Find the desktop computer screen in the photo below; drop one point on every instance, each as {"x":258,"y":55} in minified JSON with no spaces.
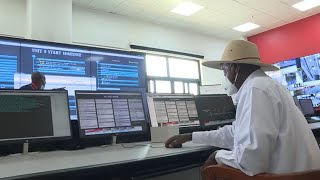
{"x":307,"y":107}
{"x":172,"y":109}
{"x":215,"y":109}
{"x":33,"y":115}
{"x":110,"y":112}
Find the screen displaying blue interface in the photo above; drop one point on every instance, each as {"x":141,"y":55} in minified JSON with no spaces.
{"x":63,"y":67}
{"x":301,"y":76}
{"x":69,"y":67}
{"x":9,"y":63}
{"x":117,"y":70}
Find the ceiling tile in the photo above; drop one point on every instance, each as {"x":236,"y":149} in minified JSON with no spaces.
{"x":160,"y":4}
{"x":312,"y":11}
{"x":290,"y":2}
{"x":144,"y":2}
{"x":225,"y":21}
{"x":255,"y":31}
{"x":106,"y":5}
{"x":229,"y":8}
{"x":231,"y":35}
{"x":263,"y":19}
{"x":294,"y":17}
{"x":275,"y":24}
{"x":82,"y":2}
{"x":274,"y":8}
{"x":218,"y":17}
{"x":202,"y":17}
{"x":129,"y":8}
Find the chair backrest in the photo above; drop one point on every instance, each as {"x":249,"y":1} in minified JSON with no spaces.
{"x":219,"y":172}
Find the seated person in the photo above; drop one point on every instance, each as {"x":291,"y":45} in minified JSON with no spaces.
{"x":38,"y":82}
{"x":270,"y":134}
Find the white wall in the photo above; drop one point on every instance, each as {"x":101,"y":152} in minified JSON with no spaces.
{"x":49,"y":20}
{"x":93,"y":27}
{"x":13,"y":18}
{"x":105,"y":29}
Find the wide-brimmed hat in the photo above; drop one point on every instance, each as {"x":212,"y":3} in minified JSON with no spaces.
{"x":241,"y":52}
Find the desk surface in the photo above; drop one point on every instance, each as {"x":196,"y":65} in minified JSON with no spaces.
{"x":18,"y":166}
{"x":33,"y":164}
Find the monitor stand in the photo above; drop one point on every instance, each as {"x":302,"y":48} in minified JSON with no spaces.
{"x":25,"y":147}
{"x":114,"y":140}
{"x":25,"y":150}
{"x":112,"y":143}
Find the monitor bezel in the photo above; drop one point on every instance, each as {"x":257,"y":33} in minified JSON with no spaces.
{"x":39,"y":139}
{"x":144,"y":131}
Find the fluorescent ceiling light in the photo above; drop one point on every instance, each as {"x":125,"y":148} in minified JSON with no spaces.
{"x":246,"y":27}
{"x":306,"y":4}
{"x":187,"y":8}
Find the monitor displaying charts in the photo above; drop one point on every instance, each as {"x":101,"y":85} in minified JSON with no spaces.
{"x":172,"y":109}
{"x":110,"y":112}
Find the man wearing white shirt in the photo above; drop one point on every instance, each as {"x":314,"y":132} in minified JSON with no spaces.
{"x":270,"y":134}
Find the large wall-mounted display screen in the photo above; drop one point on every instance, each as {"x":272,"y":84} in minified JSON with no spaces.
{"x":301,"y":76}
{"x":70,"y":67}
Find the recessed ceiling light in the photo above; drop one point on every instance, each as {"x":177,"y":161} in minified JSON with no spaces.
{"x":187,"y":8}
{"x":246,"y":27}
{"x":306,"y":4}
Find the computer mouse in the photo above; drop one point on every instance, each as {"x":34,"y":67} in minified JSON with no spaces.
{"x":177,"y":146}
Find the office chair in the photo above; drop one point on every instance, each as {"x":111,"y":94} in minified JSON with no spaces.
{"x":221,"y":172}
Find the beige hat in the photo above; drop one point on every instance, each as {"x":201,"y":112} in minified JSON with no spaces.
{"x":242,"y":52}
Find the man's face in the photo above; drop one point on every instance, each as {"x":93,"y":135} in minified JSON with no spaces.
{"x":229,"y":70}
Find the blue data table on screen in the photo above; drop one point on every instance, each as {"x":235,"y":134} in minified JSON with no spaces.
{"x":7,"y":73}
{"x":9,"y":63}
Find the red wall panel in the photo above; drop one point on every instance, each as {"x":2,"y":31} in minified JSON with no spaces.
{"x":293,"y":40}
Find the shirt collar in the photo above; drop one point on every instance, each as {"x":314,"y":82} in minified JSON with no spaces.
{"x":256,"y":73}
{"x":34,"y":86}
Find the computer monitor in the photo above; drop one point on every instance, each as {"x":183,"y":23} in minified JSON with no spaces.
{"x":102,"y":113}
{"x":172,"y":109}
{"x":307,"y":107}
{"x":215,"y":109}
{"x":33,"y":116}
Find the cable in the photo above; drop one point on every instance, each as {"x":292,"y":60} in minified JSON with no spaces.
{"x":136,"y":145}
{"x":157,"y":146}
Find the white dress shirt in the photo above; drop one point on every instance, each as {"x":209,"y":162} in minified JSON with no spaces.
{"x":269,"y":135}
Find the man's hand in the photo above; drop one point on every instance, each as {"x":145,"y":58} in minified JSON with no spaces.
{"x":178,"y":140}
